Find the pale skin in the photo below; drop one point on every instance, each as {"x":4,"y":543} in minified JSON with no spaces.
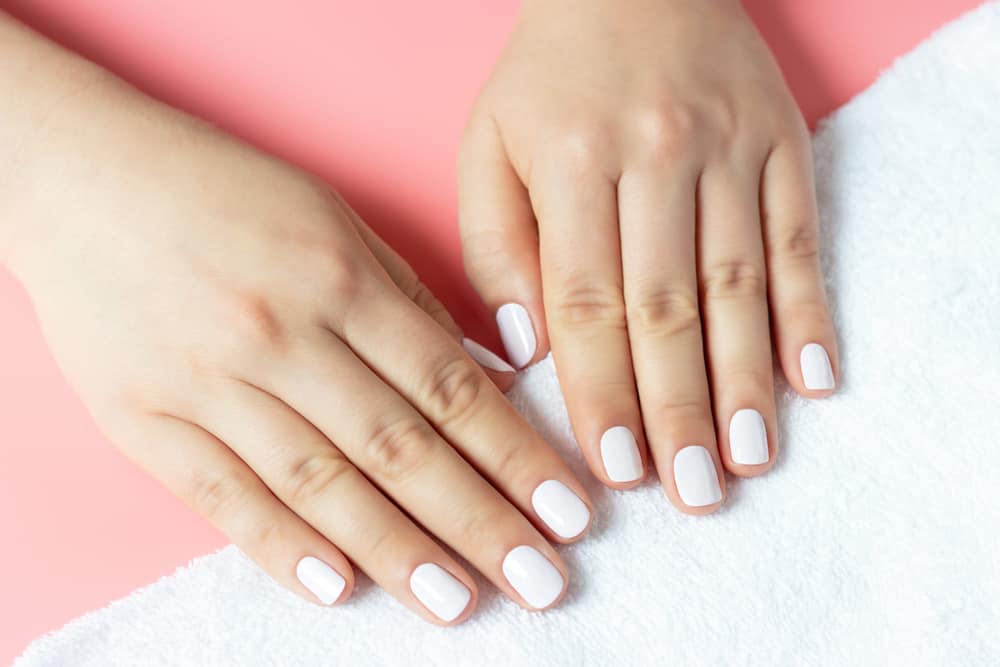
{"x":241,"y":334}
{"x":639,"y":178}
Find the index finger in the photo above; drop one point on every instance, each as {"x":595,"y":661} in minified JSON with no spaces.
{"x":434,"y":374}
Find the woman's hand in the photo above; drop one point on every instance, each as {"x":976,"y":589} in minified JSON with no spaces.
{"x":238,"y":332}
{"x":636,"y":190}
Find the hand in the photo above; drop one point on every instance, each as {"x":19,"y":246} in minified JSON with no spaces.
{"x":636,"y":190}
{"x":240,"y":333}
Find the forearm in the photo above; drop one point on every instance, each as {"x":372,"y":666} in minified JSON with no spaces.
{"x":39,"y":82}
{"x":36,"y":77}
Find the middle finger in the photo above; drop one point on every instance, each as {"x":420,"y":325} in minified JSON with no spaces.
{"x":657,"y":208}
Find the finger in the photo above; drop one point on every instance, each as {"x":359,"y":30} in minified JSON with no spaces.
{"x":802,"y":326}
{"x":500,"y":242}
{"x":395,"y":447}
{"x":210,"y":478}
{"x":434,"y":376}
{"x":657,"y":209}
{"x":406,"y":279}
{"x":315,"y":480}
{"x":734,"y":315}
{"x":582,"y":275}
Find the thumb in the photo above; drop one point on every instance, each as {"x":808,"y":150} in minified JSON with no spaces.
{"x":500,"y":242}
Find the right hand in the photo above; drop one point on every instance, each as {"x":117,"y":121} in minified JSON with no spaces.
{"x":238,"y":332}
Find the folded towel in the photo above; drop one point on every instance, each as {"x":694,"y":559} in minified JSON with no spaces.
{"x":875,"y":539}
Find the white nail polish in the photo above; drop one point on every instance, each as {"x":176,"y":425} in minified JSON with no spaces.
{"x":620,"y":454}
{"x":696,"y":477}
{"x":817,"y":373}
{"x":322,"y":580}
{"x":517,"y":333}
{"x":444,"y":595}
{"x":560,"y":509}
{"x":532,"y":576}
{"x":486,"y":358}
{"x":748,"y":438}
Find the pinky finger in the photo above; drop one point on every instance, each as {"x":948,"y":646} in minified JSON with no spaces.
{"x":802,"y":327}
{"x":212,"y":480}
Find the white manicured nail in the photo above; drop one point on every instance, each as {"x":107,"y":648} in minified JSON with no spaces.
{"x":517,"y":333}
{"x":532,"y":576}
{"x":485,"y":357}
{"x":322,"y":580}
{"x":748,"y":438}
{"x":560,"y":509}
{"x":696,"y":478}
{"x":620,"y":454}
{"x":816,"y":370}
{"x":443,"y":594}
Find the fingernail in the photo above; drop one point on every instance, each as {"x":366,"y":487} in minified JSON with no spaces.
{"x":817,"y":373}
{"x":322,"y":580}
{"x":696,"y":478}
{"x":444,"y":595}
{"x":532,"y":576}
{"x":620,"y":454}
{"x":560,"y":509}
{"x":748,"y":438}
{"x":517,"y":334}
{"x":485,"y":357}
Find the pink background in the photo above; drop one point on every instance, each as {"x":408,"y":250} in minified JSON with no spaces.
{"x":370,"y":94}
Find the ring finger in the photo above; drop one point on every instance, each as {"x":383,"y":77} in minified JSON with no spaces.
{"x":734,"y":314}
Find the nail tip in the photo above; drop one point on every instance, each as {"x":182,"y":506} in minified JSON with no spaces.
{"x":320,"y":579}
{"x":560,"y":509}
{"x":517,"y":334}
{"x":816,"y":368}
{"x":485,"y":357}
{"x":620,"y":455}
{"x":439,"y":591}
{"x":535,"y":578}
{"x":748,"y":438}
{"x":696,"y":477}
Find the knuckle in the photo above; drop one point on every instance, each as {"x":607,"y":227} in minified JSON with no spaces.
{"x":453,"y":390}
{"x":421,"y":295}
{"x":734,"y":280}
{"x":341,"y":280}
{"x":664,"y":311}
{"x":488,"y":255}
{"x":799,"y":242}
{"x":514,"y":465}
{"x":726,"y":119}
{"x":396,"y":450}
{"x":583,"y":146}
{"x":586,"y":304}
{"x":256,"y":321}
{"x":262,"y":535}
{"x":484,"y":246}
{"x":667,"y":131}
{"x":333,"y":263}
{"x":314,"y":476}
{"x":216,"y":496}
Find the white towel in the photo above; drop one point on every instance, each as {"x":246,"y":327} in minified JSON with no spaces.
{"x":875,"y":539}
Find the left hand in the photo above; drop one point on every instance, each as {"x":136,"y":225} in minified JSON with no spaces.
{"x":636,"y":188}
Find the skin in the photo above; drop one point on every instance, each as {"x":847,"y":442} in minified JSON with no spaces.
{"x":224,"y":315}
{"x":638,"y":176}
{"x":237,"y":331}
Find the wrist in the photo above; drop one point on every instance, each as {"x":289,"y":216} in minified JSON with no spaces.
{"x":39,"y":81}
